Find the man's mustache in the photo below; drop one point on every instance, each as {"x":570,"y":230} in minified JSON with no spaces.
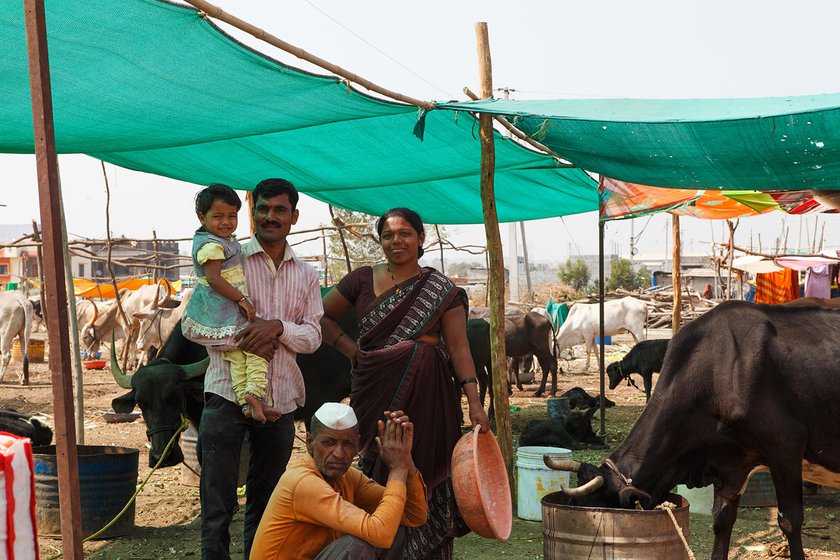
{"x":267,"y":223}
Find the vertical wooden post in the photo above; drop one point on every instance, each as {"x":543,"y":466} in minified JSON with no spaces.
{"x":157,"y":263}
{"x":676,"y":277}
{"x":56,"y":294}
{"x":326,"y":262}
{"x":440,"y":245}
{"x":495,"y":273}
{"x":36,"y":236}
{"x":730,"y":257}
{"x":249,"y":202}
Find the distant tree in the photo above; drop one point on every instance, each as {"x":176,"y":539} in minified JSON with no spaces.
{"x":575,"y":274}
{"x":459,"y":269}
{"x":623,"y":276}
{"x":362,"y":244}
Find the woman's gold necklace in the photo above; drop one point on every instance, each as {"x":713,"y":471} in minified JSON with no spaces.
{"x":397,"y":290}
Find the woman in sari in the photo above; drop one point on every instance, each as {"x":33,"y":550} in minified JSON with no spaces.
{"x":412,"y":324}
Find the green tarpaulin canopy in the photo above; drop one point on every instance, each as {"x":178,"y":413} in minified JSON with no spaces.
{"x":742,"y":144}
{"x":156,"y":87}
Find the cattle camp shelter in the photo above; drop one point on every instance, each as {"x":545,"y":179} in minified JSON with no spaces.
{"x":109,"y":79}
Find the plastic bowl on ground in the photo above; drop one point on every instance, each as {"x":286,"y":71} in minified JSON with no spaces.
{"x":480,"y":483}
{"x":94,"y":364}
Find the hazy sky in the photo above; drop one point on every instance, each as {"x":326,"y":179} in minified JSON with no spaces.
{"x":550,"y":49}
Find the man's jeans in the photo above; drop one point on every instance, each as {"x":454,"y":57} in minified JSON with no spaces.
{"x":220,"y":436}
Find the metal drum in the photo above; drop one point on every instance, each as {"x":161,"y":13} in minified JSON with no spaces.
{"x":584,"y":533}
{"x":107,"y":480}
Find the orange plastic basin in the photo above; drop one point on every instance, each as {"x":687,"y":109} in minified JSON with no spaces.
{"x":481,"y":487}
{"x":94,"y":364}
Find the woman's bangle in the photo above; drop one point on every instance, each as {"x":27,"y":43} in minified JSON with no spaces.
{"x":469,"y":380}
{"x":338,"y":338}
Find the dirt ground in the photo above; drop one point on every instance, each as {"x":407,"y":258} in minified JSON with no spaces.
{"x":167,"y":511}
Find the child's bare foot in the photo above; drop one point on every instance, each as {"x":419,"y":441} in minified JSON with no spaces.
{"x":247,"y":410}
{"x":271,"y":413}
{"x":256,"y":408}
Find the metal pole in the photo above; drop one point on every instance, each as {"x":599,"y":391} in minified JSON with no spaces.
{"x":601,"y":296}
{"x":527,"y":263}
{"x":49,"y":187}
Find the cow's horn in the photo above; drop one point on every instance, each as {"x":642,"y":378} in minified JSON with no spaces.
{"x":122,"y":379}
{"x":196,"y":369}
{"x":552,"y":463}
{"x":587,"y":488}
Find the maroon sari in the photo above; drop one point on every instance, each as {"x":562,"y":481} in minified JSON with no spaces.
{"x":395,"y":372}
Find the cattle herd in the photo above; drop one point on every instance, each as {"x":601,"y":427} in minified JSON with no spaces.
{"x":744,"y":387}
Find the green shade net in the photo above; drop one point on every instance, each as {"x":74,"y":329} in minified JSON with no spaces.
{"x":155,"y":87}
{"x":731,"y":144}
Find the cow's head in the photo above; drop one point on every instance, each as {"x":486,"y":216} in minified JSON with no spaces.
{"x":160,"y":389}
{"x":615,"y":374}
{"x":600,"y":486}
{"x":89,"y":341}
{"x":579,"y":426}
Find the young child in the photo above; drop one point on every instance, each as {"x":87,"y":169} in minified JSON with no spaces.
{"x":219,"y":307}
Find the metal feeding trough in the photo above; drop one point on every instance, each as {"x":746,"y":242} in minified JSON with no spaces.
{"x":107,"y":480}
{"x":587,"y":533}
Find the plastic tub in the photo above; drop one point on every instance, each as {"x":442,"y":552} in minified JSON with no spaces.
{"x":535,"y":480}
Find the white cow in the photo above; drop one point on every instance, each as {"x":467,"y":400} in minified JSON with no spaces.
{"x":157,"y":323}
{"x":583,"y":323}
{"x":15,"y":320}
{"x":101,"y":326}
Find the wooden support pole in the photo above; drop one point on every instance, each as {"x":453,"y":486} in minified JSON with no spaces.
{"x":530,"y":294}
{"x":49,"y":187}
{"x":36,"y":236}
{"x":730,"y":257}
{"x":676,"y":277}
{"x":440,"y":243}
{"x":495,"y":273}
{"x":341,"y":237}
{"x":157,"y":263}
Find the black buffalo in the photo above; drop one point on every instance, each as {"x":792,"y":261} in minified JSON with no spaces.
{"x":173,"y":384}
{"x":571,"y":431}
{"x":742,"y":386}
{"x":24,"y":425}
{"x":645,"y":358}
{"x":580,"y":399}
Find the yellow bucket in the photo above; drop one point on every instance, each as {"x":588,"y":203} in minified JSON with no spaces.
{"x":35,"y":351}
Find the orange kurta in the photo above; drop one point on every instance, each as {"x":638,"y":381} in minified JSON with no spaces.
{"x":306,"y":512}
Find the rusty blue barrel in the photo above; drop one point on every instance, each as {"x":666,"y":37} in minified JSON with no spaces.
{"x":107,"y":480}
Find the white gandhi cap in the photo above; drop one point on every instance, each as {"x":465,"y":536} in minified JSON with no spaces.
{"x":336,"y":416}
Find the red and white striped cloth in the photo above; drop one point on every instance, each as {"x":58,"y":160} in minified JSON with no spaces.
{"x":18,"y":533}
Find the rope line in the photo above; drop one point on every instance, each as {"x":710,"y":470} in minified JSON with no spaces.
{"x":669,"y":509}
{"x":185,"y":423}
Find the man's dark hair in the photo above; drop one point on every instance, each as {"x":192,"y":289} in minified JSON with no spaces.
{"x":408,"y":215}
{"x":268,"y":188}
{"x":213,"y":192}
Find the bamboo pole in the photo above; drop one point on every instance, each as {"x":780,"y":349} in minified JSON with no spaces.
{"x":216,"y":12}
{"x":731,"y":255}
{"x":49,"y":186}
{"x":528,"y":284}
{"x":676,"y":277}
{"x":521,"y":135}
{"x":495,"y":274}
